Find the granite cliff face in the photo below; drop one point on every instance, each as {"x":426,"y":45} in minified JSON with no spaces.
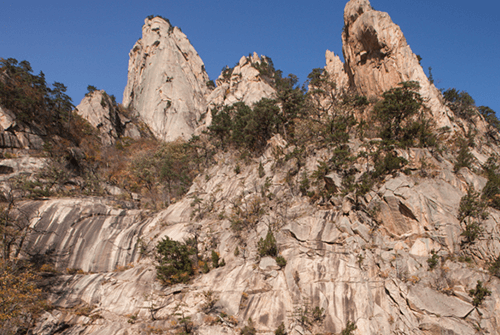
{"x":362,"y":257}
{"x":355,"y":266}
{"x":98,"y":109}
{"x":378,"y":57}
{"x":167,"y":81}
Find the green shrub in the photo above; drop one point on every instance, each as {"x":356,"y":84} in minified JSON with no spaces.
{"x":472,"y":231}
{"x":210,"y":84}
{"x":166,"y":171}
{"x":479,"y":294}
{"x":349,"y":329}
{"x":304,"y":183}
{"x":281,"y":261}
{"x":490,"y":116}
{"x":396,"y":112}
{"x":215,"y":259}
{"x":174,"y":261}
{"x":491,"y":191}
{"x":249,"y":329}
{"x":471,"y":211}
{"x":318,"y":314}
{"x":267,"y":246}
{"x":280,"y":330}
{"x":495,"y":267}
{"x":33,"y":101}
{"x":227,"y":72}
{"x":464,"y":157}
{"x":90,"y":90}
{"x":243,"y":127}
{"x":387,"y":165}
{"x":433,"y":260}
{"x":472,"y":206}
{"x":261,"y":171}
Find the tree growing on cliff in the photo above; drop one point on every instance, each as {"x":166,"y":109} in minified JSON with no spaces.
{"x":30,"y":98}
{"x":174,"y":261}
{"x":401,"y":118}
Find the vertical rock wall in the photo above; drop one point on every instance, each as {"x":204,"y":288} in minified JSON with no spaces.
{"x":166,"y":81}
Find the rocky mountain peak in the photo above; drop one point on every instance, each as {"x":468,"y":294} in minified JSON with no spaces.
{"x":248,"y":81}
{"x":378,"y":57}
{"x":167,"y":81}
{"x":355,"y":8}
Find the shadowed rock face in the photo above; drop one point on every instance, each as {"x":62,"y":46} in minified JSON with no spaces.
{"x":166,"y":81}
{"x":85,"y":234}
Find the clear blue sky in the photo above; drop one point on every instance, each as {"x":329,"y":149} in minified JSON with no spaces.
{"x":87,"y":42}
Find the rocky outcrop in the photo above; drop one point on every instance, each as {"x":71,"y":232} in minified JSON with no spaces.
{"x":378,"y":57}
{"x":84,"y":234}
{"x":247,"y":82}
{"x":18,"y":136}
{"x":362,"y":257}
{"x":167,"y":82}
{"x":243,"y":83}
{"x":101,"y":112}
{"x":336,"y":72}
{"x":366,"y":263}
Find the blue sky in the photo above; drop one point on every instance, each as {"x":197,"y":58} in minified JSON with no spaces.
{"x":87,"y":42}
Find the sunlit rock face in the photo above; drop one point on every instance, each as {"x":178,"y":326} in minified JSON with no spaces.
{"x":378,"y":57}
{"x":167,"y":81}
{"x":98,"y":109}
{"x":243,"y":83}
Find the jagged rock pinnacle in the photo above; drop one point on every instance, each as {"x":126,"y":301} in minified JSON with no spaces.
{"x":167,"y":81}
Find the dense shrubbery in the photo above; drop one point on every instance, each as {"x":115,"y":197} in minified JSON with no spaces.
{"x":164,"y":171}
{"x":472,"y":210}
{"x":478,"y":294}
{"x":491,"y":191}
{"x":267,"y":246}
{"x":490,"y":116}
{"x":174,"y":261}
{"x":495,"y":267}
{"x":401,"y":119}
{"x":243,"y":127}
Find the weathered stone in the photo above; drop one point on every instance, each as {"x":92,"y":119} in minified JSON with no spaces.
{"x":167,"y":81}
{"x":98,"y":109}
{"x":7,"y":119}
{"x":425,"y":299}
{"x":378,"y":58}
{"x":268,"y":264}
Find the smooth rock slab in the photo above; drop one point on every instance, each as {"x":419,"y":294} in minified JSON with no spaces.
{"x":425,"y":299}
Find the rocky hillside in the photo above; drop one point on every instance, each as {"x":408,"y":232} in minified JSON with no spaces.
{"x":368,"y":205}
